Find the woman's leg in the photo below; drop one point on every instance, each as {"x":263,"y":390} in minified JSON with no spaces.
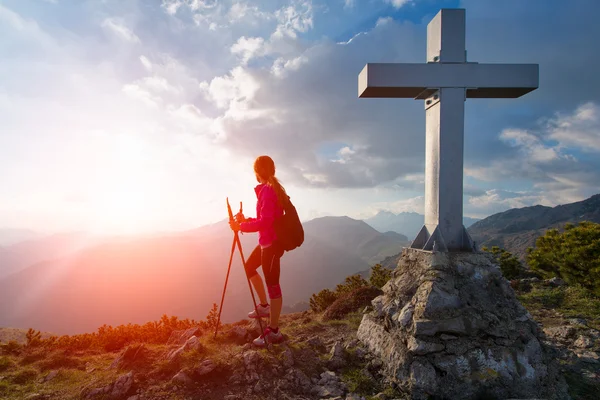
{"x":260,"y":288}
{"x":252,"y":264}
{"x":271,"y":268}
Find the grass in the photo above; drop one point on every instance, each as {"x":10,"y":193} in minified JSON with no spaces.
{"x":570,"y":301}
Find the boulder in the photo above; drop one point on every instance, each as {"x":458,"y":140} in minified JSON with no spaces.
{"x":448,"y":325}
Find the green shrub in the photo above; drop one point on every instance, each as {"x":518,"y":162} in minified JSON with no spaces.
{"x":351,"y":302}
{"x":379,"y":275}
{"x":510,"y":265}
{"x":25,"y":376}
{"x":11,"y":348}
{"x":350,"y":284}
{"x":573,"y":255}
{"x":5,"y":363}
{"x":320,"y":301}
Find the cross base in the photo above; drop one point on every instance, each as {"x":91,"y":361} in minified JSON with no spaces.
{"x":430,"y":238}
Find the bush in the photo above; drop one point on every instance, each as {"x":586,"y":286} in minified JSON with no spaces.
{"x":351,"y":302}
{"x":5,"y":363}
{"x":379,"y":275}
{"x":320,"y":301}
{"x":573,"y":255}
{"x":350,"y":284}
{"x":510,"y":265}
{"x":11,"y":348}
{"x":24,"y":376}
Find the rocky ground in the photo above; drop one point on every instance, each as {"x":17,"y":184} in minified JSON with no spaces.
{"x":320,"y":359}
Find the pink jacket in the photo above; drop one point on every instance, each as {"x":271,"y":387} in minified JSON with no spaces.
{"x":267,"y":209}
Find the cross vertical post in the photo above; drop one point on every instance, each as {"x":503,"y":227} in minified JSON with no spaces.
{"x":444,"y":142}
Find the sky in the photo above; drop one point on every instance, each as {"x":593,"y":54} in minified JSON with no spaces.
{"x":145,"y":115}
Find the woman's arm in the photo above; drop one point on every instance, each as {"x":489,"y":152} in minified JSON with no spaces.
{"x":267,"y":202}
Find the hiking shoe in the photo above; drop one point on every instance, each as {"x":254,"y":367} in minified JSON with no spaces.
{"x":262,"y":311}
{"x":268,"y":337}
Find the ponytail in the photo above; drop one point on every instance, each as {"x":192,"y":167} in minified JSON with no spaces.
{"x":279,"y":190}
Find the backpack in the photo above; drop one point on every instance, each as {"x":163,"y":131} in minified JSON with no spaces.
{"x":288,"y":228}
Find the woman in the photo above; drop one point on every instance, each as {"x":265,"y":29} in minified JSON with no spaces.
{"x":271,"y":196}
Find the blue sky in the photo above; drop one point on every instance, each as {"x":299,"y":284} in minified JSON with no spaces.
{"x":136,"y":116}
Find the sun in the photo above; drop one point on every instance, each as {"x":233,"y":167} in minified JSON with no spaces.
{"x":125,"y":195}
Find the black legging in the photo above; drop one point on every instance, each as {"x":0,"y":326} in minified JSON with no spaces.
{"x":269,"y":258}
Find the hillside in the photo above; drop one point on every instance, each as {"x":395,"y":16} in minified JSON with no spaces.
{"x":517,"y":229}
{"x":15,"y":257}
{"x":406,"y":223}
{"x":356,"y":237}
{"x":136,"y":280}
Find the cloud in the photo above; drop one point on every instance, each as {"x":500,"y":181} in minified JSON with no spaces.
{"x":398,"y":3}
{"x":293,"y":19}
{"x":248,"y":48}
{"x":578,"y":130}
{"x":119,"y":29}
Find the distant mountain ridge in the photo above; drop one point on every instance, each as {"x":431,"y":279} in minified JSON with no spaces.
{"x":140,"y":279}
{"x":406,"y":223}
{"x":517,"y":229}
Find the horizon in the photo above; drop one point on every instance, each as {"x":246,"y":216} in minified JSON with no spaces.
{"x":139,"y":119}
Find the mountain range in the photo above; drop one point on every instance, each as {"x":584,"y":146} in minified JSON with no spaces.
{"x":517,"y":229}
{"x":405,"y":223}
{"x":134,"y":280}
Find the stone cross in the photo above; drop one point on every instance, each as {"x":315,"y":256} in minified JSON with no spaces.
{"x":444,"y":82}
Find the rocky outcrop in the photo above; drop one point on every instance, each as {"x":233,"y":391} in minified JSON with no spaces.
{"x":449,"y":325}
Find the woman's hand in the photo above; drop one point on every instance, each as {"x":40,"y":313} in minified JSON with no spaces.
{"x":239,"y":218}
{"x":234,"y":225}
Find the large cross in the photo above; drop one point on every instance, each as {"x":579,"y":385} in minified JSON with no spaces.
{"x":444,"y":82}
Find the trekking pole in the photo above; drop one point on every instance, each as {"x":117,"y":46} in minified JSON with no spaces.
{"x":225,"y":287}
{"x":239,"y":243}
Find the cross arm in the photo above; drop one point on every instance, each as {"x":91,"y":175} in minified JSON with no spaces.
{"x":480,"y":80}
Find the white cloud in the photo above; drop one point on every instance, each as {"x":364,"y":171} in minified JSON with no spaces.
{"x":118,"y":28}
{"x":580,"y":130}
{"x":146,"y":63}
{"x":248,"y":48}
{"x":281,"y":65}
{"x":294,"y":19}
{"x":232,"y":90}
{"x":398,"y":3}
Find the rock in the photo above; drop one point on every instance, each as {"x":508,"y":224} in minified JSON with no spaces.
{"x":316,"y":343}
{"x":448,"y":325}
{"x":51,"y":375}
{"x":182,"y":336}
{"x":135,"y":353}
{"x":589,"y":356}
{"x":116,"y":390}
{"x":134,"y":397}
{"x":423,"y":377}
{"x":182,"y":378}
{"x":405,"y":316}
{"x":193,"y":343}
{"x":583,"y":342}
{"x":122,"y":385}
{"x":420,"y":347}
{"x":560,"y":333}
{"x":205,"y":367}
{"x":354,"y":396}
{"x":337,"y":356}
{"x":288,"y":358}
{"x":554,"y":282}
{"x":578,"y":322}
